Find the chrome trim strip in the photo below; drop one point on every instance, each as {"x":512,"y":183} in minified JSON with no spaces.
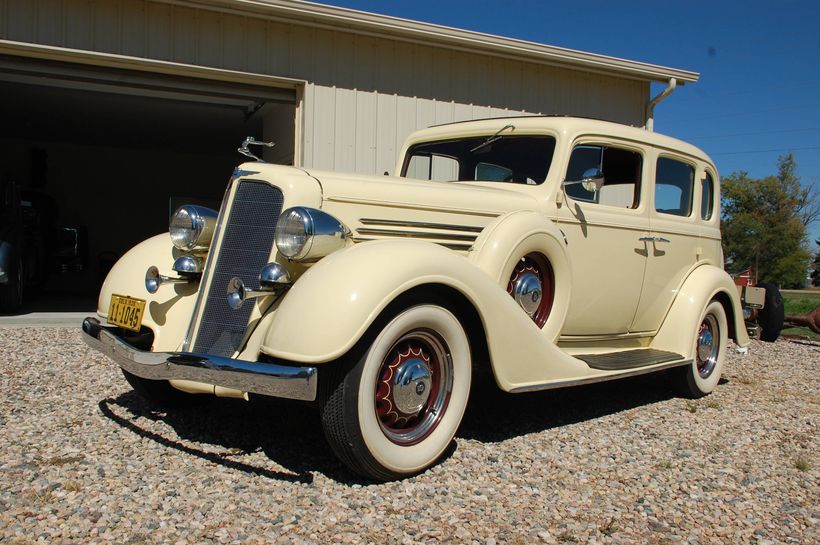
{"x":451,"y":245}
{"x":600,"y":378}
{"x":415,"y":234}
{"x":267,"y":379}
{"x":421,"y":225}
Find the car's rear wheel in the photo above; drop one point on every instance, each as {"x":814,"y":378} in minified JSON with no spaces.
{"x":394,"y":411}
{"x":711,"y":343}
{"x":532,"y":285}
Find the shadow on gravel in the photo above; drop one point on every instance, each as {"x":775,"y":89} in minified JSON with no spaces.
{"x":493,"y":415}
{"x":290,"y":433}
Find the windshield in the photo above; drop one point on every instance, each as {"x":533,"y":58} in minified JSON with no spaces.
{"x":511,"y":159}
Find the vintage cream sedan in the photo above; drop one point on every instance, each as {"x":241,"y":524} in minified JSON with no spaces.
{"x":553,"y":251}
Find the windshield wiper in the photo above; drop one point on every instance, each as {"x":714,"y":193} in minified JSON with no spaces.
{"x":492,"y":138}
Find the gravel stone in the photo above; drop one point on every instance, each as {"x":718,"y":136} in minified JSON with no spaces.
{"x":85,"y":460}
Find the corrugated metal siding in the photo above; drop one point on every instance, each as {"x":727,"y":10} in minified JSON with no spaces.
{"x":364,"y":94}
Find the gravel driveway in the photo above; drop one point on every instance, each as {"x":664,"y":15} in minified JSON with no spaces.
{"x":84,"y":460}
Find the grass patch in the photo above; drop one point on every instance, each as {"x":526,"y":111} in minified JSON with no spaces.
{"x":746,"y":379}
{"x":800,"y":301}
{"x":802,"y":463}
{"x":72,"y":486}
{"x":797,"y":302}
{"x":609,"y":528}
{"x":691,"y":406}
{"x":60,"y":461}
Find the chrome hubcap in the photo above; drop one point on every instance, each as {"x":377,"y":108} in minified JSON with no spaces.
{"x":414,"y":385}
{"x":531,"y":286}
{"x":708,"y":346}
{"x":411,"y":385}
{"x":527,"y":292}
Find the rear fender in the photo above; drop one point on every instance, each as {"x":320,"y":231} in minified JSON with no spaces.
{"x":679,"y":330}
{"x":334,"y":303}
{"x":516,"y":234}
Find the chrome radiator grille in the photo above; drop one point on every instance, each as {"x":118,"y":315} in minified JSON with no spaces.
{"x":245,"y":247}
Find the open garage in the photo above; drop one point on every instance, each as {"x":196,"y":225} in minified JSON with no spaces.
{"x":103,"y":156}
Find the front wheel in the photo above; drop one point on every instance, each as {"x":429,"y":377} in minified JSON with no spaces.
{"x":711,"y":343}
{"x":394,"y":412}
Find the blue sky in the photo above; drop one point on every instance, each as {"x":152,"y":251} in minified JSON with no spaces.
{"x":759,"y":91}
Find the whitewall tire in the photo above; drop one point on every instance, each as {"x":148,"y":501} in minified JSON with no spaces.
{"x":711,"y":343}
{"x":394,"y":411}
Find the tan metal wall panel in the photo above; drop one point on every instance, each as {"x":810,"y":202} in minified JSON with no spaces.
{"x":364,"y":94}
{"x":160,"y":31}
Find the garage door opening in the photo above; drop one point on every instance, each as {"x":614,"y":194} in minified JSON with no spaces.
{"x":102,"y":161}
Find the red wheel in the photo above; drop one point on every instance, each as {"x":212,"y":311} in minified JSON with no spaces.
{"x":532,"y":285}
{"x":414,"y":387}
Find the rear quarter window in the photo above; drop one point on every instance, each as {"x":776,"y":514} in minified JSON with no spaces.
{"x":674,"y":185}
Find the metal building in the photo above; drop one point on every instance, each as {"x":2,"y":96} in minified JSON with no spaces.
{"x":119,"y":110}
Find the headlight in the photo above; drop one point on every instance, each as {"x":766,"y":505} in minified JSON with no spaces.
{"x":307,"y":234}
{"x":192,"y":227}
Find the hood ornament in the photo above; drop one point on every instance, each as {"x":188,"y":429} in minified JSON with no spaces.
{"x":251,"y":141}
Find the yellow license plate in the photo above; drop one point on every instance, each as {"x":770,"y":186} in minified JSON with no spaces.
{"x":126,"y":312}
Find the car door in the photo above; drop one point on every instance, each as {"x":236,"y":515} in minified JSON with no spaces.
{"x":603,"y":231}
{"x":672,"y":245}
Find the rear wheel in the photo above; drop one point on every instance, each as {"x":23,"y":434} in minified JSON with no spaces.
{"x":394,"y":412}
{"x":711,"y":342}
{"x":532,"y":285}
{"x":771,"y":317}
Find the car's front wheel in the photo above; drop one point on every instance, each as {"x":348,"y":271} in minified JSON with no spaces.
{"x":395,"y":410}
{"x":711,"y":343}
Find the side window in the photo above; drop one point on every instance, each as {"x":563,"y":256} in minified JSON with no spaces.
{"x":622,"y":175}
{"x":674,"y":184}
{"x":707,"y":197}
{"x":438,"y":168}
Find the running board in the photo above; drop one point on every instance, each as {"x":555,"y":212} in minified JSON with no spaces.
{"x":629,"y":359}
{"x":601,"y":378}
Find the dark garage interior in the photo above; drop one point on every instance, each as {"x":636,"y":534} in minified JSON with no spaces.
{"x":100,"y":170}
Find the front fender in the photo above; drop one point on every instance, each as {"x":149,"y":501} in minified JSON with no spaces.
{"x":331,"y":306}
{"x":679,"y":330}
{"x":168,"y":311}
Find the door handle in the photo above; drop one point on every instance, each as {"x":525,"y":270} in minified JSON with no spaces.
{"x":654,"y":239}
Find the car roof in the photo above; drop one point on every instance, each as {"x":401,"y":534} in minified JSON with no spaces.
{"x":567,"y":126}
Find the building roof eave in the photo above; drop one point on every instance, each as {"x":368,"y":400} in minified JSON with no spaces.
{"x":344,"y":19}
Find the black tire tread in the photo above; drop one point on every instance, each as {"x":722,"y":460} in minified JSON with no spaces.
{"x":772,"y":315}
{"x":337,"y":386}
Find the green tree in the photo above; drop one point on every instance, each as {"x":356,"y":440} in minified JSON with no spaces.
{"x":764,"y":223}
{"x":815,"y":266}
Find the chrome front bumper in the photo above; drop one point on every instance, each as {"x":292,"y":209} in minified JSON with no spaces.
{"x":248,"y":376}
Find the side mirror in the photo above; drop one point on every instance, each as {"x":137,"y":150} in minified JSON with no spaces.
{"x":592,"y":180}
